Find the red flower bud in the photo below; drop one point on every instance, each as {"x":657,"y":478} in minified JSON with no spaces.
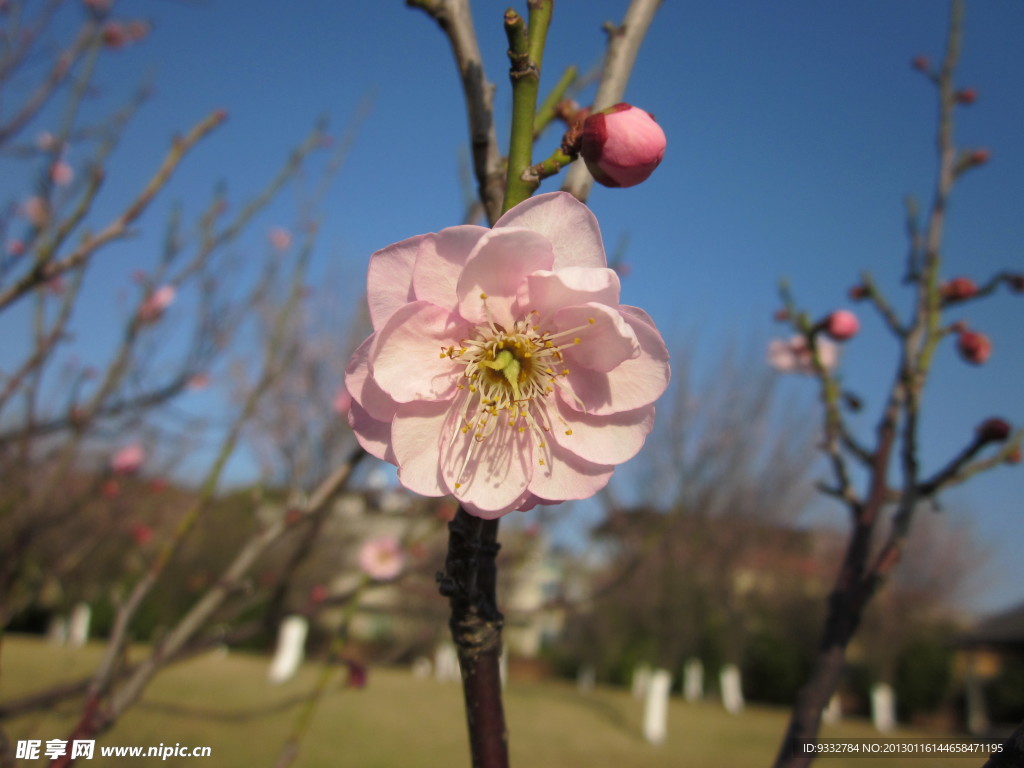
{"x":920,"y":63}
{"x":1014,"y":457}
{"x":993,"y":431}
{"x":841,"y":325}
{"x":966,"y":96}
{"x":858,"y":292}
{"x":978,"y":157}
{"x":974,"y":347}
{"x":622,"y":145}
{"x":957,"y":289}
{"x":1016,"y":283}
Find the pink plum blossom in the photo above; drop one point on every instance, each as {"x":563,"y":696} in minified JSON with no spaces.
{"x":382,"y":558}
{"x":153,"y":307}
{"x":36,"y":210}
{"x":794,"y":356}
{"x":280,"y":238}
{"x":622,"y":145}
{"x":128,"y":459}
{"x":502,"y":369}
{"x":62,"y":173}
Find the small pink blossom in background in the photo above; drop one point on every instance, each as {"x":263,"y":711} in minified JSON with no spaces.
{"x":318,"y":593}
{"x":502,"y":369}
{"x":97,"y":5}
{"x":974,"y":347}
{"x":342,"y":401}
{"x":15,"y":247}
{"x":128,"y":459}
{"x":280,"y":238}
{"x":794,"y":356}
{"x":357,"y":674}
{"x":622,"y":145}
{"x":382,"y":558}
{"x":110,"y":489}
{"x":61,"y":173}
{"x":841,"y":325}
{"x":142,"y":534}
{"x":118,"y":34}
{"x":198,"y":382}
{"x":36,"y":210}
{"x":55,"y":285}
{"x":45,"y":141}
{"x":153,"y":307}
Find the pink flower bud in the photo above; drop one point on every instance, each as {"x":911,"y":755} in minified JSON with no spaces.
{"x":128,"y":459}
{"x":142,"y":534}
{"x":841,"y":325}
{"x":993,"y":431}
{"x":153,"y":307}
{"x":974,"y":347}
{"x":61,"y":173}
{"x":280,"y":238}
{"x":622,"y":145}
{"x":957,"y":289}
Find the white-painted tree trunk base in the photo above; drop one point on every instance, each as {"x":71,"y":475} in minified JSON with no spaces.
{"x":656,"y":706}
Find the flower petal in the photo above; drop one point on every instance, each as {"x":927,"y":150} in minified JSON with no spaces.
{"x":546,"y":291}
{"x":496,"y":268}
{"x":439,"y":263}
{"x":567,"y":476}
{"x":488,"y":476}
{"x":415,"y":436}
{"x":605,"y":338}
{"x":389,"y":279}
{"x":635,"y":383}
{"x":566,"y":222}
{"x":373,"y":435}
{"x":610,"y":439}
{"x":407,"y":361}
{"x":363,"y":389}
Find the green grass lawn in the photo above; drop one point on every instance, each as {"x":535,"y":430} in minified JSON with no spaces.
{"x":400,"y":722}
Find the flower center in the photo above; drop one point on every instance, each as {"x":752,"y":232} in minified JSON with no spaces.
{"x":509,"y":373}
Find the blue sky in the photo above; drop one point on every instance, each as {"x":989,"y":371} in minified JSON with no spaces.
{"x":795,"y":129}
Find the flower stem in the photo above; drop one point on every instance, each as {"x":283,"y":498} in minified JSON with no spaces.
{"x":469,"y":582}
{"x":526,"y":54}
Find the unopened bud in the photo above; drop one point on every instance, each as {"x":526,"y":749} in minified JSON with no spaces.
{"x":622,"y":145}
{"x":858,"y":292}
{"x":1014,"y":456}
{"x":781,"y":315}
{"x":957,"y":289}
{"x":966,"y":96}
{"x":841,"y":325}
{"x":977,"y":157}
{"x":993,"y":431}
{"x":1016,"y":283}
{"x":974,"y":347}
{"x":921,"y":63}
